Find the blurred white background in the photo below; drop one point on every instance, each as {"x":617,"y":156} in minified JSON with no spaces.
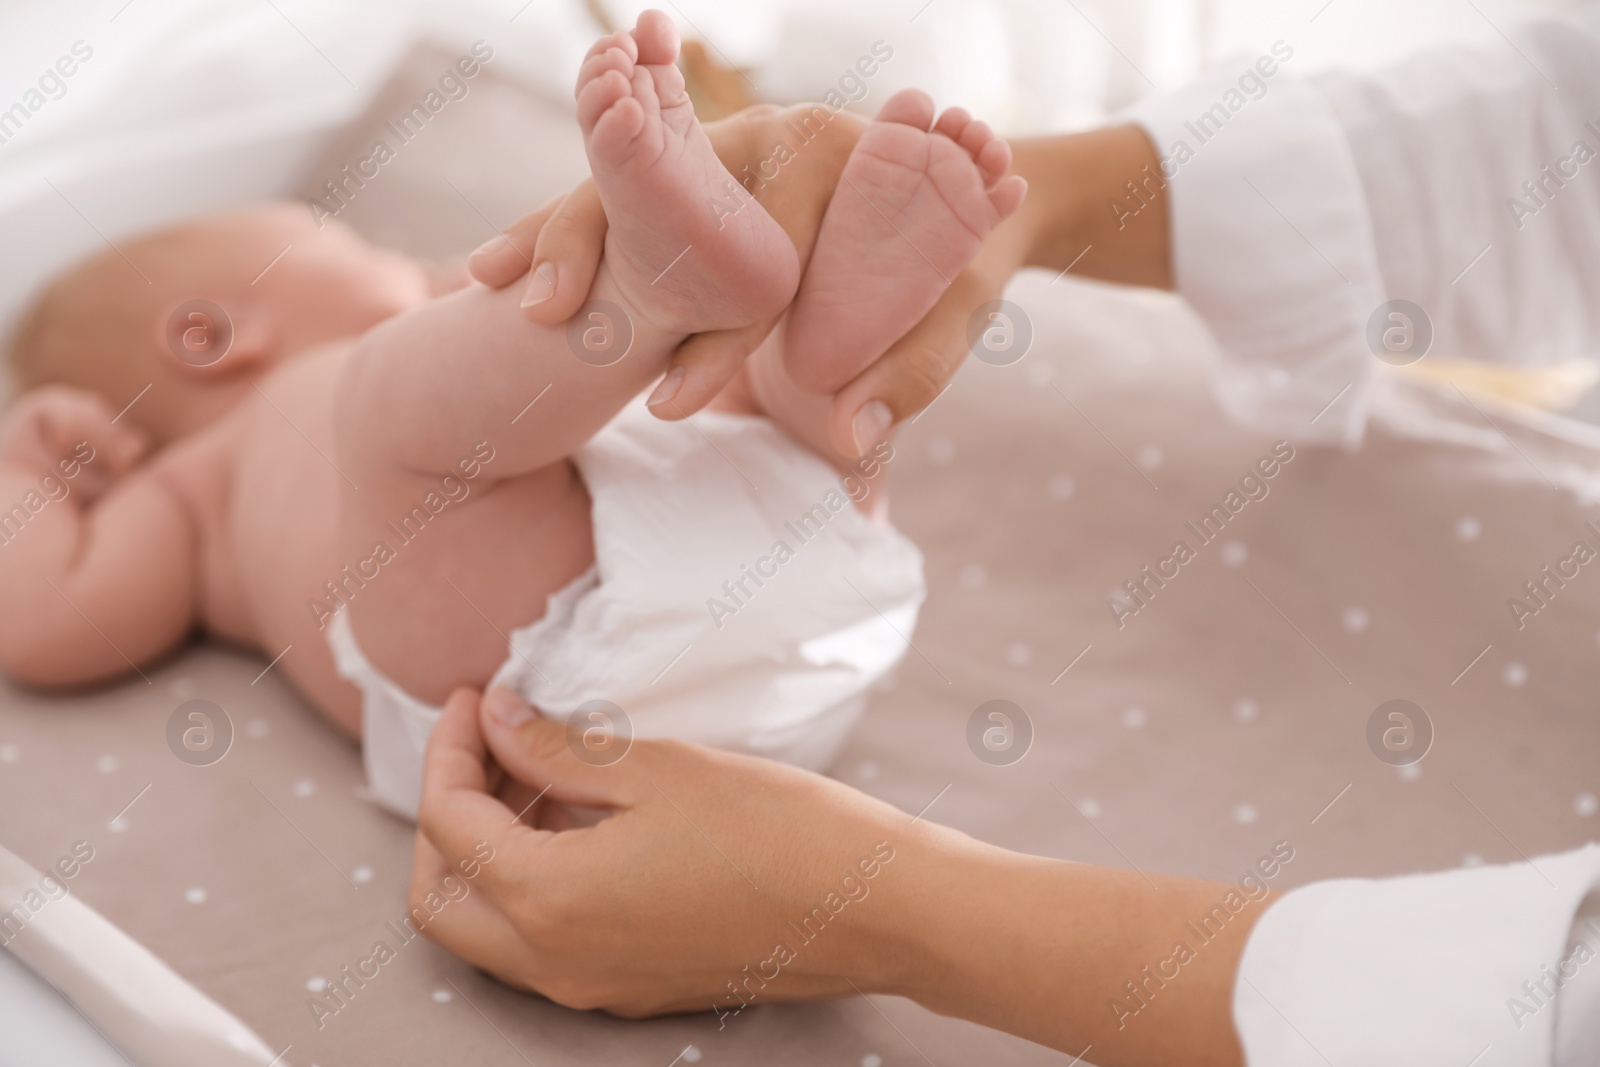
{"x":1032,"y":64}
{"x":190,"y":105}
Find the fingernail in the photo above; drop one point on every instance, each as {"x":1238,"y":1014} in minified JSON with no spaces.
{"x":668,"y":388}
{"x":507,"y":708}
{"x":871,"y":425}
{"x":542,"y":286}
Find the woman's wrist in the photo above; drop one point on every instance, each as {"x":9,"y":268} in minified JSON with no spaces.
{"x":1064,"y":954}
{"x":1097,"y":204}
{"x":932,"y":934}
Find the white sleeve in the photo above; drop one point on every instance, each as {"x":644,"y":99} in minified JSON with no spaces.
{"x":1300,"y":205}
{"x":1492,"y":966}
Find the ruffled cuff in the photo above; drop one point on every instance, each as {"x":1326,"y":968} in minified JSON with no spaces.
{"x":1458,"y":967}
{"x":1272,"y":245}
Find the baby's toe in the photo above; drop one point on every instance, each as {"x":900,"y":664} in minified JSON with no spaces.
{"x":644,"y":90}
{"x":909,"y":107}
{"x":599,"y":97}
{"x":975,"y":137}
{"x":1007,"y":195}
{"x":657,"y":38}
{"x":994,"y":159}
{"x":669,"y":85}
{"x":619,"y":40}
{"x":953,"y":123}
{"x":611,"y":142}
{"x":599,"y":63}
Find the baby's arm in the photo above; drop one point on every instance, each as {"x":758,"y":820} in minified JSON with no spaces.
{"x":96,"y":570}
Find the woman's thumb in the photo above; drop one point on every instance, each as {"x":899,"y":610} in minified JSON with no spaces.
{"x":563,"y":757}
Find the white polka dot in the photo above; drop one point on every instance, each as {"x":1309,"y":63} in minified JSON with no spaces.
{"x":183,"y":687}
{"x":1246,"y":710}
{"x":1245,"y":813}
{"x":1039,"y":372}
{"x":1089,"y":807}
{"x":1133,"y":717}
{"x":304,"y":788}
{"x":1150,"y":457}
{"x":691,"y":1055}
{"x":1019,"y":655}
{"x":119,"y":825}
{"x":361,"y":875}
{"x":317,"y":984}
{"x":1062,"y":486}
{"x":1515,"y":675}
{"x":973,"y":576}
{"x":443,"y":996}
{"x":195,"y":895}
{"x":872,"y":1059}
{"x":941,"y":450}
{"x":867,"y":771}
{"x":1472,"y":859}
{"x":1355,"y":620}
{"x":1468,"y":528}
{"x":1586,"y":804}
{"x":107,"y":764}
{"x":1234,"y":554}
{"x":1410,"y":772}
{"x":256,"y":729}
{"x":10,"y":753}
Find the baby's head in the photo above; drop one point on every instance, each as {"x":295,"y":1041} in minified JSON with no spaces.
{"x":121,"y":320}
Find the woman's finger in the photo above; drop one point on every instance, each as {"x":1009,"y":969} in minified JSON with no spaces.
{"x":566,"y":257}
{"x":503,"y":259}
{"x":580,"y":762}
{"x":446,"y":907}
{"x":702,"y":366}
{"x":458,"y":815}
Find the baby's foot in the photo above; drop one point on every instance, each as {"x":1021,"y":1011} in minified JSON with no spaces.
{"x":911,"y":210}
{"x":688,"y":245}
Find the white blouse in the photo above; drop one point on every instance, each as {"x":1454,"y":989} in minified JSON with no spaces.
{"x":1467,"y":182}
{"x":1462,"y":181}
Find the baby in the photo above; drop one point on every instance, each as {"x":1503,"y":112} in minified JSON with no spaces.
{"x":392,"y":493}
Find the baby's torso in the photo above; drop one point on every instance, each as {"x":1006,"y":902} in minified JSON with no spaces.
{"x":433,"y":578}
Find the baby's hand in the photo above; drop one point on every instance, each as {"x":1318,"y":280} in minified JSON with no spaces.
{"x":57,"y":429}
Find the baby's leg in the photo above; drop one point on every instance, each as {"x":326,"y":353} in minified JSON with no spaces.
{"x":911,"y":210}
{"x":466,"y":386}
{"x":687,"y":250}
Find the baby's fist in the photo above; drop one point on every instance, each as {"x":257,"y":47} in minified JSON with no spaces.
{"x":56,"y":429}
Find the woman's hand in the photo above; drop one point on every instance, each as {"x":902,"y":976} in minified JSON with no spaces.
{"x":721,"y":881}
{"x":558,"y":248}
{"x":680,"y":900}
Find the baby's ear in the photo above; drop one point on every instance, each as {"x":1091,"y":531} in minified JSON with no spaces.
{"x":209,"y":338}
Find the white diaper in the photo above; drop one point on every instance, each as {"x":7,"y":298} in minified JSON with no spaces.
{"x":738,"y":599}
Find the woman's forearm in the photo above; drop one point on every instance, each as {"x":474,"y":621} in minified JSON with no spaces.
{"x":1097,"y":203}
{"x":1071,"y":955}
